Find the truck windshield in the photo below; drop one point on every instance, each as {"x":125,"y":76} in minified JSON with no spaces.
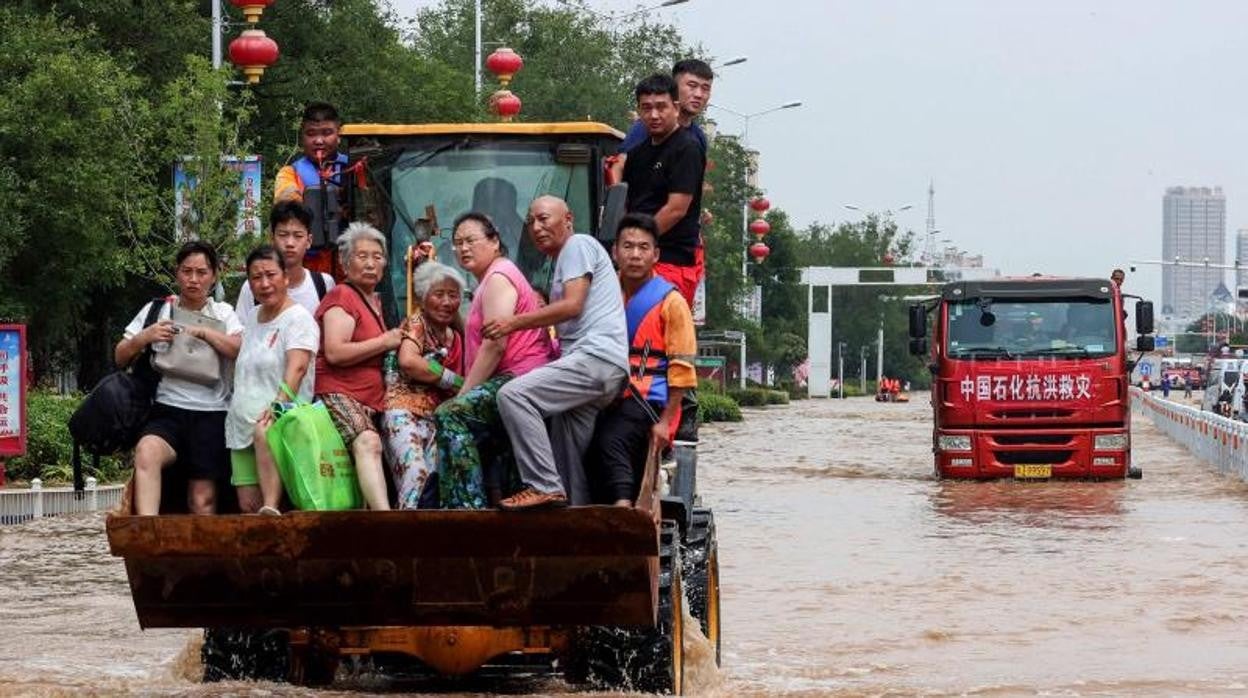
{"x":497,"y":177}
{"x":995,"y":329}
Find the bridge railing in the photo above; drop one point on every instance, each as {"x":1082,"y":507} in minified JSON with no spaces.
{"x":1220,"y":441}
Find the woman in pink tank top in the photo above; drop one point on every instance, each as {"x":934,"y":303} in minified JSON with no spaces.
{"x":470,"y":434}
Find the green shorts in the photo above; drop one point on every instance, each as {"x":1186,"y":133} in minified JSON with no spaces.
{"x":243,"y":467}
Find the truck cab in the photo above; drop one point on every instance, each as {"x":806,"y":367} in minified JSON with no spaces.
{"x":1030,"y":378}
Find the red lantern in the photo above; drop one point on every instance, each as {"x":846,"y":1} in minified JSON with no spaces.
{"x":505,"y":104}
{"x":888,"y":259}
{"x":759,"y":252}
{"x":253,"y":52}
{"x":760,"y":205}
{"x":760,"y":227}
{"x":252,"y":9}
{"x":504,"y":63}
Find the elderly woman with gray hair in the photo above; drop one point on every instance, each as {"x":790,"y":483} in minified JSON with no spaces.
{"x":354,"y":339}
{"x":431,"y":358}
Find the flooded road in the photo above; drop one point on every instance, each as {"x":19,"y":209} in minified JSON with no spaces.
{"x":847,"y":569}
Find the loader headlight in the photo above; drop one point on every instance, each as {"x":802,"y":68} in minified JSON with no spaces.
{"x":953,"y":442}
{"x":1110,"y":442}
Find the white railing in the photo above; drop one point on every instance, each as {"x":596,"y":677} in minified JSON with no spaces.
{"x":37,"y":502}
{"x":1220,"y":441}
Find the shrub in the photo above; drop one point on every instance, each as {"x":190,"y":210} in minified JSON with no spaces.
{"x":777,"y":397}
{"x":706,"y":386}
{"x":750,"y":397}
{"x":713,"y":407}
{"x":49,"y":450}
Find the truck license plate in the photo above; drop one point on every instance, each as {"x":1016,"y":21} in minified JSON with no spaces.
{"x":1033,"y":472}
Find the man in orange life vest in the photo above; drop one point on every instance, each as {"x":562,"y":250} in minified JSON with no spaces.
{"x":301,"y":180}
{"x":662,"y":347}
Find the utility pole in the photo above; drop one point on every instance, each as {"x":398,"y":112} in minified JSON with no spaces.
{"x":217,"y":28}
{"x":476,"y":65}
{"x":931,"y":221}
{"x":879,"y":356}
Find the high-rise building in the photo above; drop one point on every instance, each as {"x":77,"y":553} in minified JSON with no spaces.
{"x":1193,"y":230}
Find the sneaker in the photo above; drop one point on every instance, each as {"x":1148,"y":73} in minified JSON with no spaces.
{"x":268,"y":511}
{"x":529,"y":498}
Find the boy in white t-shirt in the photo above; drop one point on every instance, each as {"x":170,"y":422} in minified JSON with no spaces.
{"x":290,"y":224}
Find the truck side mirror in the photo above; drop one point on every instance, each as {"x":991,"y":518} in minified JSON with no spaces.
{"x":1143,"y":317}
{"x":1144,"y":343}
{"x":918,"y":322}
{"x":918,"y":346}
{"x":613,"y":209}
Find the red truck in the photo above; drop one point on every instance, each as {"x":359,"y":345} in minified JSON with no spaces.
{"x":1030,"y":377}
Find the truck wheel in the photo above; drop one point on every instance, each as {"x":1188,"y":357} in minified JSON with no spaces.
{"x":648,"y":660}
{"x":244,"y":654}
{"x":700,"y":559}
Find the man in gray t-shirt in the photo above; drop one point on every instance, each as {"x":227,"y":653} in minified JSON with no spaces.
{"x":587,"y":310}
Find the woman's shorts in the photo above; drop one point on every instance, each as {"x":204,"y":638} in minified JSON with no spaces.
{"x":198,"y":439}
{"x":243,"y":467}
{"x":351,"y":417}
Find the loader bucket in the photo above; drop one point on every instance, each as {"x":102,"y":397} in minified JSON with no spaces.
{"x":576,"y":566}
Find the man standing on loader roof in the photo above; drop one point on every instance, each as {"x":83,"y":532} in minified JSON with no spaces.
{"x":587,"y":310}
{"x":664,"y":175}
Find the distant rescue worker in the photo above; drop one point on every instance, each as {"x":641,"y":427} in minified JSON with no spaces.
{"x":661,"y":350}
{"x":1165,"y":386}
{"x":588,"y":312}
{"x":290,"y":224}
{"x":314,"y":177}
{"x":664,"y":175}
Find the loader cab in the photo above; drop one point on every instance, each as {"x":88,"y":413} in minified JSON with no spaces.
{"x":419,"y":179}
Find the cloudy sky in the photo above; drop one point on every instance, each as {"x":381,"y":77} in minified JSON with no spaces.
{"x":1050,"y":128}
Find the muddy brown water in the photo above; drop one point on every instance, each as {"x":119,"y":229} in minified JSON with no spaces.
{"x":847,"y":569}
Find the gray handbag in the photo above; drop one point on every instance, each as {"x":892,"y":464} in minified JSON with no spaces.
{"x":187,"y":357}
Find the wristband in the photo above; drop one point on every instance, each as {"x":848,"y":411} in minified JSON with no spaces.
{"x":450,"y":380}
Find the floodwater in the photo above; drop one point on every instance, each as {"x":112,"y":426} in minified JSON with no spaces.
{"x":846,"y":570}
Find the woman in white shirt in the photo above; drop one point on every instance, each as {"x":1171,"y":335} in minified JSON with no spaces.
{"x":187,"y":421}
{"x":279,"y":342}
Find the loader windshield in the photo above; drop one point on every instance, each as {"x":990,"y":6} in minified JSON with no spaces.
{"x":497,"y":177}
{"x":982,"y":328}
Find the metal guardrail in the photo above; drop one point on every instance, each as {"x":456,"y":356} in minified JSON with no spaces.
{"x":17,"y":506}
{"x":1220,"y":441}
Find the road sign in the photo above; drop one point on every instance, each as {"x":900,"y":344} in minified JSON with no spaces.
{"x":1146,"y":369}
{"x":1161,"y":342}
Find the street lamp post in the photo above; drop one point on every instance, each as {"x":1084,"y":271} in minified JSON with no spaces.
{"x":862,"y":370}
{"x":840,"y":370}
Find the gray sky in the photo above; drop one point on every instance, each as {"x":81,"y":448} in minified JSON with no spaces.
{"x":1051,"y":128}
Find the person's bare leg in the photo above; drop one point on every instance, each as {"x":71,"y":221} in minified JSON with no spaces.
{"x":249,"y":498}
{"x":266,"y":467}
{"x":201,"y":497}
{"x":367,"y":452}
{"x":152,"y":455}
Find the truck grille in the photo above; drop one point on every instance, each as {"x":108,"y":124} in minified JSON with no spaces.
{"x":1032,"y":457}
{"x":1031,"y":439}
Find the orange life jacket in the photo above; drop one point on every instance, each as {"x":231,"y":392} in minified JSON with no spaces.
{"x":647,"y":347}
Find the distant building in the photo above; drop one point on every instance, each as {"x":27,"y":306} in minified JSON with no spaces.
{"x":1193,"y":229}
{"x":1241,"y":257}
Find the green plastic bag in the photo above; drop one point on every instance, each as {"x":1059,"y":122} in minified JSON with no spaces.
{"x":312,"y":460}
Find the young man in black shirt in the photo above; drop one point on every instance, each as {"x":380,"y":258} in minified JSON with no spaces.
{"x":664,"y":175}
